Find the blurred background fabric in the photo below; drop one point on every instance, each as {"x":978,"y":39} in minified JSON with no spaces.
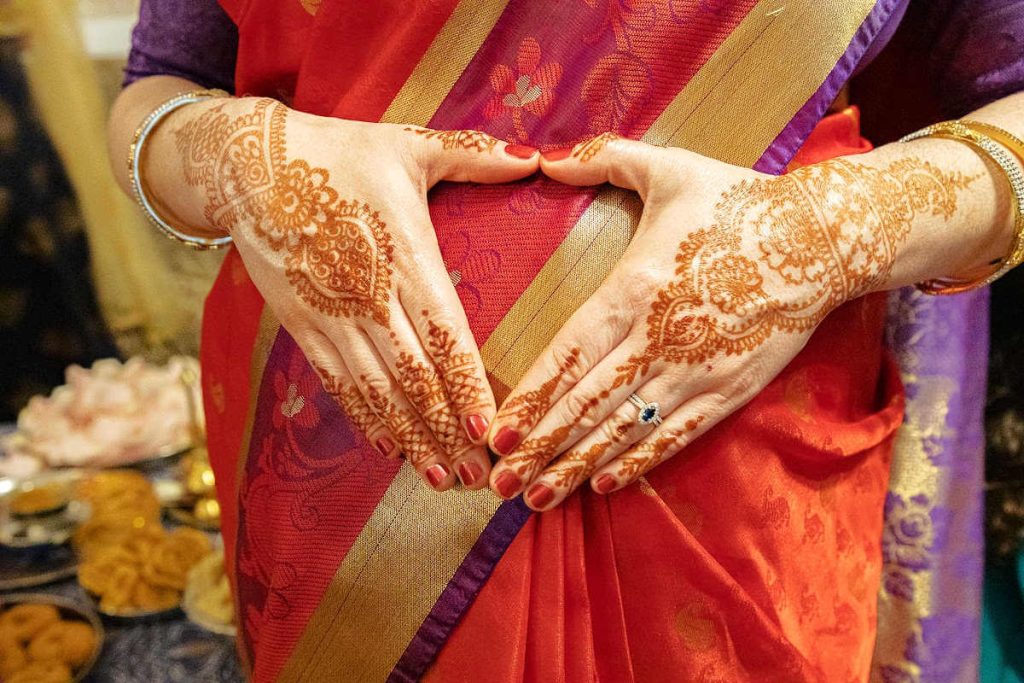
{"x":48,"y":312}
{"x":71,"y":54}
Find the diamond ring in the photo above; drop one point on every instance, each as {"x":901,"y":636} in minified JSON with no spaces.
{"x":650,"y":413}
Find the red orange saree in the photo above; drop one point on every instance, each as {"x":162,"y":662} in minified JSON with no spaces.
{"x":754,"y":555}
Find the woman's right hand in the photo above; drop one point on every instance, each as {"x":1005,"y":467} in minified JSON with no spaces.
{"x":330,"y":218}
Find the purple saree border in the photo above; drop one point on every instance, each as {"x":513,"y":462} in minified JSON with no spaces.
{"x":460,"y":592}
{"x":786,"y":143}
{"x":511,"y":516}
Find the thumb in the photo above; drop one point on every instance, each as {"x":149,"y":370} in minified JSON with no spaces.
{"x":606,"y":158}
{"x":469,"y":156}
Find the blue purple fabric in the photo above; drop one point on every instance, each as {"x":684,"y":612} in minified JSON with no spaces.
{"x":930,"y":602}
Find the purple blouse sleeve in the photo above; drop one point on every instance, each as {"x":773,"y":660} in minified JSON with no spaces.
{"x":977,"y":53}
{"x":193,"y":39}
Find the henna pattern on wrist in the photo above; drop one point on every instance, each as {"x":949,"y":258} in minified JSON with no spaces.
{"x":822,"y":235}
{"x":472,"y":140}
{"x":339,"y":254}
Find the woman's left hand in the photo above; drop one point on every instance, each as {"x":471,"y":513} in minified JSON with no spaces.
{"x":728,"y":275}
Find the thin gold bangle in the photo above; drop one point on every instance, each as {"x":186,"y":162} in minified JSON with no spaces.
{"x":135,"y":172}
{"x":1012,"y":169}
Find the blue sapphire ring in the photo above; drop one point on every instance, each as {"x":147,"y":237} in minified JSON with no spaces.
{"x":650,"y":413}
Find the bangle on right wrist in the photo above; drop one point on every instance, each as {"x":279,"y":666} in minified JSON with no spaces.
{"x":1006,"y":151}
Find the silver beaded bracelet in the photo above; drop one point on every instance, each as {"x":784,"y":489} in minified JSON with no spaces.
{"x":135,"y":174}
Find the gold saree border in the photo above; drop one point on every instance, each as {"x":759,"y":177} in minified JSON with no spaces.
{"x":442,"y":64}
{"x":732,"y":109}
{"x":389,"y":581}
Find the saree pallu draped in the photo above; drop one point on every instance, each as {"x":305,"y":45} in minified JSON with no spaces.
{"x":756,"y":554}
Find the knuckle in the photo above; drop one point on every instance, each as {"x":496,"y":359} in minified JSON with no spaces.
{"x":377,"y":384}
{"x":641,"y":284}
{"x":570,"y":363}
{"x":577,"y":408}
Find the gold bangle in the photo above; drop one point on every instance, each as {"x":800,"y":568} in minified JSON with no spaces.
{"x":135,"y":173}
{"x":995,"y":147}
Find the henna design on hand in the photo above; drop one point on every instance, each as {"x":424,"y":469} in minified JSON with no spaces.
{"x":403,"y":424}
{"x":589,"y":149}
{"x":339,"y":254}
{"x":576,"y":466}
{"x":646,"y":456}
{"x":350,"y":399}
{"x":461,"y":380}
{"x":823,"y":234}
{"x":528,"y":408}
{"x":423,"y":386}
{"x":473,"y":140}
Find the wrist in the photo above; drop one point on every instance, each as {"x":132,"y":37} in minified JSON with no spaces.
{"x":967,"y":245}
{"x":168,"y":203}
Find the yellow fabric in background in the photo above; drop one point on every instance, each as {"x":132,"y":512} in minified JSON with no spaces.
{"x":149,"y":289}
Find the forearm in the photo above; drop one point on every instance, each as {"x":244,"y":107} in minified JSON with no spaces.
{"x":962,"y":223}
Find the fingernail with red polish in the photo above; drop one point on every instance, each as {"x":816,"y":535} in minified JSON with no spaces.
{"x":556,"y":154}
{"x":606,"y":483}
{"x":476,"y":427}
{"x":385,"y":446}
{"x":520,"y":151}
{"x":436,"y":474}
{"x":540,"y":495}
{"x":469,"y":473}
{"x":506,"y":440}
{"x":508,"y":484}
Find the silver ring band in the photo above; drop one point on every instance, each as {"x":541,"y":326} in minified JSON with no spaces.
{"x":648,"y":413}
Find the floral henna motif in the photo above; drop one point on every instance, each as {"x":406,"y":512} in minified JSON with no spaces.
{"x":589,"y":149}
{"x":576,"y":466}
{"x":472,"y":140}
{"x":646,"y":456}
{"x":423,"y":386}
{"x":823,"y":235}
{"x":338,"y":253}
{"x":534,"y":454}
